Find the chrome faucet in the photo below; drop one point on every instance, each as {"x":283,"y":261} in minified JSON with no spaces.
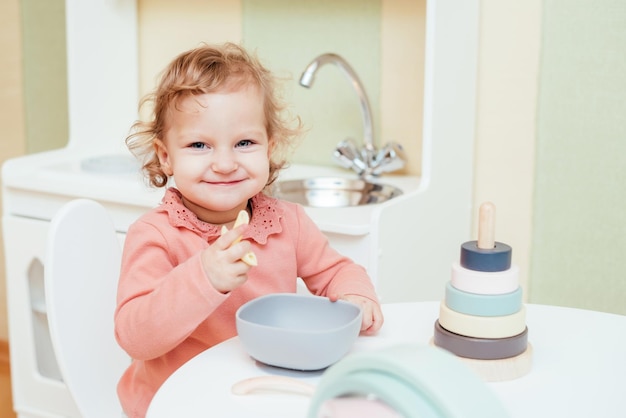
{"x":367,"y":161}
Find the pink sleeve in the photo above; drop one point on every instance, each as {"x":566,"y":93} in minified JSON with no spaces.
{"x":160,"y":301}
{"x":322,"y":268}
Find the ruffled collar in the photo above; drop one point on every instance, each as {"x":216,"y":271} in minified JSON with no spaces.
{"x":265,"y":220}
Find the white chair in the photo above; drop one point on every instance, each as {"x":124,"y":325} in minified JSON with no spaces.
{"x":81,"y":274}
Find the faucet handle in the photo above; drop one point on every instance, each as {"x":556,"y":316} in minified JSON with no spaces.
{"x":389,"y":158}
{"x":347,"y":155}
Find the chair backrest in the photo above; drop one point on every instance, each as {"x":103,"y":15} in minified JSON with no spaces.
{"x":81,"y":273}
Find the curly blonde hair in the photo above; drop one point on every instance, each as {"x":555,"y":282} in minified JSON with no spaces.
{"x":202,"y":70}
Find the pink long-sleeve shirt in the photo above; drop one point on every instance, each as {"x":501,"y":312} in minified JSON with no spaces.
{"x":168,"y":311}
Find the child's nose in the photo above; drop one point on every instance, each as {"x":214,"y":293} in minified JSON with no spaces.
{"x":224,"y":162}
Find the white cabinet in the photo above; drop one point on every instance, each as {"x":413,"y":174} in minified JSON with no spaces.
{"x":37,"y":386}
{"x":29,"y":203}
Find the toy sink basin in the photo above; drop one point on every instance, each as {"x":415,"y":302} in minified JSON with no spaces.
{"x":334,"y":192}
{"x":296,"y":331}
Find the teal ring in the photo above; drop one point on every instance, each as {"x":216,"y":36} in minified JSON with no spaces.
{"x":416,"y":381}
{"x":483,"y":305}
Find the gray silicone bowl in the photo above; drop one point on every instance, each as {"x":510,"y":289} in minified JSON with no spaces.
{"x":296,"y":331}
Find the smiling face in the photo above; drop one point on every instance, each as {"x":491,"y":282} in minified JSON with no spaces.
{"x":216,"y":148}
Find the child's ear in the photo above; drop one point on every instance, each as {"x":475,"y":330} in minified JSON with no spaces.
{"x":163,"y":156}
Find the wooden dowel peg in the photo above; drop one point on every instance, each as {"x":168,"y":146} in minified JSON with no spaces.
{"x":486,"y":226}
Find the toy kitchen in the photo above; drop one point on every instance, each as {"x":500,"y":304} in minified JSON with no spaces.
{"x":406,"y":243}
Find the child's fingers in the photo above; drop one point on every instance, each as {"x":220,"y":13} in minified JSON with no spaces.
{"x":239,"y":249}
{"x":372,"y":319}
{"x":230,"y":238}
{"x":240,"y":225}
{"x":333,"y":297}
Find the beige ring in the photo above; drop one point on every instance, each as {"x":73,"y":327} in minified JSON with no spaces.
{"x":482,"y":326}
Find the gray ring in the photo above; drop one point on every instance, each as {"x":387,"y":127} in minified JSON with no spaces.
{"x":497,"y":258}
{"x":480,"y":348}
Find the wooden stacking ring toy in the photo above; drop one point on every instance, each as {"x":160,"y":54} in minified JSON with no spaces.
{"x":480,"y":348}
{"x":482,"y":326}
{"x":482,"y":319}
{"x":482,"y":304}
{"x":485,"y":282}
{"x":485,"y":254}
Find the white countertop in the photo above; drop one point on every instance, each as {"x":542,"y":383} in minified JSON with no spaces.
{"x":579,"y":368}
{"x":34,"y":180}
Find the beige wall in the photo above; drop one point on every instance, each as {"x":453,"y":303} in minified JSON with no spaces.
{"x":161,"y":36}
{"x":510,"y":40}
{"x":12,"y":140}
{"x":403,"y":71}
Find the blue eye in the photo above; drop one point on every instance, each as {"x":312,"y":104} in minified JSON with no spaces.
{"x":197,"y":145}
{"x":245,"y":143}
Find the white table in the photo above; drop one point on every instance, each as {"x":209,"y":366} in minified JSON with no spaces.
{"x":579,"y":369}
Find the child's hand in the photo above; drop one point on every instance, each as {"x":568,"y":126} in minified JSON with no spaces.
{"x":372,"y":314}
{"x":222,"y":261}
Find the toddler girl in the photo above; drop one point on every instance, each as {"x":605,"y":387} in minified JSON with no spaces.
{"x":218,"y":131}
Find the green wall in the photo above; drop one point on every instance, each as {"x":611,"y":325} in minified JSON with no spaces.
{"x":45,"y":74}
{"x":579,"y":235}
{"x":350,"y":28}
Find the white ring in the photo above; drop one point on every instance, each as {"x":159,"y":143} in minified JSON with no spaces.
{"x":485,"y":282}
{"x":482,"y":326}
